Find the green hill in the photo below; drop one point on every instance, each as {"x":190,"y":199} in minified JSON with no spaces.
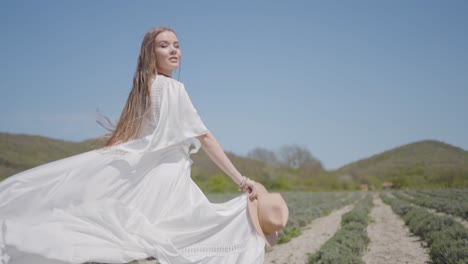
{"x":425,"y":163}
{"x":19,"y":152}
{"x":420,"y":164}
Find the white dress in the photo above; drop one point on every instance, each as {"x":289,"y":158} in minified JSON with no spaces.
{"x":129,"y":202}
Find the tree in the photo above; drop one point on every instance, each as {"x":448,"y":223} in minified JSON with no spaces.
{"x":295,"y":156}
{"x":263,"y":155}
{"x":310,"y":168}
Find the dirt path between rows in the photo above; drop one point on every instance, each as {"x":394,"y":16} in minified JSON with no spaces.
{"x":390,"y":240}
{"x":313,"y":237}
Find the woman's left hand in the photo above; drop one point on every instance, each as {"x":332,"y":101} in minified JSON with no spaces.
{"x":250,"y":187}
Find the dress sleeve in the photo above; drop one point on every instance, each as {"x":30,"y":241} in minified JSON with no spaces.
{"x":191,"y":122}
{"x":178,"y":121}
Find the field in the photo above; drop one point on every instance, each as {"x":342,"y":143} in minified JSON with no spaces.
{"x":423,"y":226}
{"x":417,"y":226}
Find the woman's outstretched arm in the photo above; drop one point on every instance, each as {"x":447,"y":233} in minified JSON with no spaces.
{"x":212,"y":148}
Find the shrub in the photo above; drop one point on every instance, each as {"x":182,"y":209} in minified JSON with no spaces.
{"x":447,"y":239}
{"x":348,"y":244}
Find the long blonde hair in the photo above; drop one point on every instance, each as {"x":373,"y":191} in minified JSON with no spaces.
{"x":138,"y":103}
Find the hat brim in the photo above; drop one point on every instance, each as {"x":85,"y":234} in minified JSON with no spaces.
{"x":270,"y":239}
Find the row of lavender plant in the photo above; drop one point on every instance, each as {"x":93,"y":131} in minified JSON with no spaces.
{"x":446,"y":238}
{"x":304,"y":207}
{"x":349,"y":242}
{"x":449,"y":204}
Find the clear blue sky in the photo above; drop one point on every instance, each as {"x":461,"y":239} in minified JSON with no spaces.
{"x":345,"y":79}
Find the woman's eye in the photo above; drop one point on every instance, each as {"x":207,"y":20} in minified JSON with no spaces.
{"x":166,"y":45}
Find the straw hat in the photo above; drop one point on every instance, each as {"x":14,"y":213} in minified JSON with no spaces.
{"x":269,"y":213}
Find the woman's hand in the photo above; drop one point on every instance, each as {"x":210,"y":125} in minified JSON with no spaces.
{"x":250,"y":187}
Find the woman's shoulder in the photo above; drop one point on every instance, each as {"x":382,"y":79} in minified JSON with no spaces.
{"x":164,"y":83}
{"x":164,"y":79}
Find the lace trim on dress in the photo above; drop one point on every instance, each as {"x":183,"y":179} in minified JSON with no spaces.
{"x":156,"y":101}
{"x":155,"y":95}
{"x":112,"y":151}
{"x":215,"y":249}
{"x":4,"y":258}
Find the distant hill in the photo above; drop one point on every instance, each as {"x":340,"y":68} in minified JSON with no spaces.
{"x":421,"y":164}
{"x":19,"y":152}
{"x":412,"y":165}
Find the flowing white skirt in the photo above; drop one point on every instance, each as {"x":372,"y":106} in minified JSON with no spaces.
{"x":102,"y":207}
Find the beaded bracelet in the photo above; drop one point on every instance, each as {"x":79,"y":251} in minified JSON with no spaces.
{"x":242,"y":184}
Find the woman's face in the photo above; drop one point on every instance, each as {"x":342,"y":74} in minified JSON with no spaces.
{"x":168,"y":53}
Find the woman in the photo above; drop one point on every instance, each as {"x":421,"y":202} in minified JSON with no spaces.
{"x":134,"y":198}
